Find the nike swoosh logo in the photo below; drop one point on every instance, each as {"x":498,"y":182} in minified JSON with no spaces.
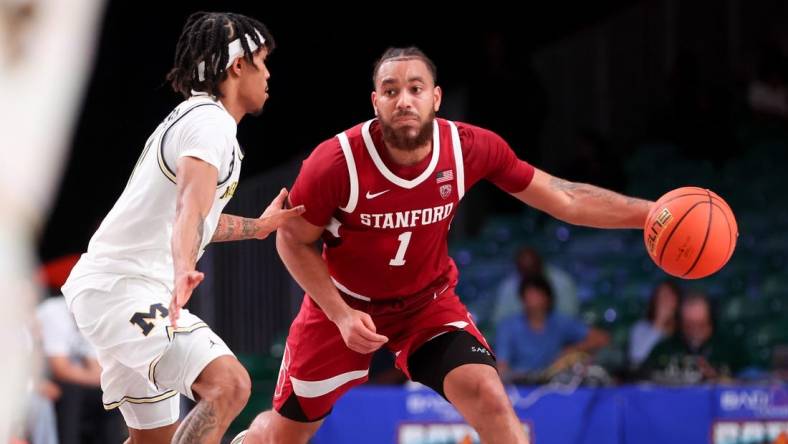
{"x":372,"y":196}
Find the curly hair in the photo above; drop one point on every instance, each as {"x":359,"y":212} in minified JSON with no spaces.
{"x":204,"y":40}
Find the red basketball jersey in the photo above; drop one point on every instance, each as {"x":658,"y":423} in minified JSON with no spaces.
{"x":387,"y":225}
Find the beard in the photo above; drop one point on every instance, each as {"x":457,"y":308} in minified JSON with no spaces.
{"x":404,"y":138}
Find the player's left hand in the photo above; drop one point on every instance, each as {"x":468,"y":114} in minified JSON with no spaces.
{"x":273,"y":216}
{"x":185,"y":283}
{"x":359,"y":332}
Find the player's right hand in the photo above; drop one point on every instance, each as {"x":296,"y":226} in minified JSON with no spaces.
{"x":275,"y":215}
{"x":359,"y":332}
{"x":185,"y":283}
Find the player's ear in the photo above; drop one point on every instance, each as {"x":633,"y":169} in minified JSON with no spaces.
{"x":374,"y":98}
{"x":235,"y":68}
{"x":437,"y":95}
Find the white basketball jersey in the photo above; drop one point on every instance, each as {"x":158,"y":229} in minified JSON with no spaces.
{"x":135,"y":237}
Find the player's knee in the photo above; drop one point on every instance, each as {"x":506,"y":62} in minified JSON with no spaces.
{"x":491,"y":397}
{"x":231,"y":388}
{"x":270,"y":427}
{"x":240,"y":387}
{"x":259,"y":431}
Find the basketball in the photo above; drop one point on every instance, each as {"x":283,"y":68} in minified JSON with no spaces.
{"x":690,"y":233}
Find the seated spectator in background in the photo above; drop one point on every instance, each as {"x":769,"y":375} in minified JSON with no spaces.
{"x":41,"y":419}
{"x":41,"y":423}
{"x":529,"y":264}
{"x":661,"y":322}
{"x":767,"y":93}
{"x":72,"y":366}
{"x":35,"y":424}
{"x":529,"y":342}
{"x":696,"y":353}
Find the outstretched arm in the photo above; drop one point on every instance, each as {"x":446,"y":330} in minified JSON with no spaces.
{"x":584,"y":204}
{"x":232,"y":228}
{"x":65,"y":370}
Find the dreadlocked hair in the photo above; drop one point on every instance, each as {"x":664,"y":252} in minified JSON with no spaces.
{"x":205,"y":38}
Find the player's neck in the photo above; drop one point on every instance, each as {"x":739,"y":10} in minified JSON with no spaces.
{"x":407,"y":157}
{"x":233,"y":108}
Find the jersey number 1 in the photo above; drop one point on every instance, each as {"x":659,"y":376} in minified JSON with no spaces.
{"x":404,"y":240}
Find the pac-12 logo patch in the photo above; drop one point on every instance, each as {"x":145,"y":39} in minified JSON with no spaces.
{"x":445,"y":190}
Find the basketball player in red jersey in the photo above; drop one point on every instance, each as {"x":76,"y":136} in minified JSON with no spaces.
{"x":382,"y":196}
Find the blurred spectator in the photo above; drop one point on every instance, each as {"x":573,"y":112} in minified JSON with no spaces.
{"x":37,"y":424}
{"x":767,"y":93}
{"x":73,"y":366}
{"x":508,"y":299}
{"x":41,"y":419}
{"x":41,"y":424}
{"x":780,"y":362}
{"x":661,"y":322}
{"x":697,"y":353}
{"x":529,"y":342}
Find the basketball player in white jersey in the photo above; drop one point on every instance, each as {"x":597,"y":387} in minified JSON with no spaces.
{"x":127,"y":291}
{"x":46,"y":47}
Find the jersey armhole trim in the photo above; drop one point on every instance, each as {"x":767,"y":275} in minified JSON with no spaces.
{"x":352,"y":173}
{"x":165,"y":169}
{"x":458,"y":160}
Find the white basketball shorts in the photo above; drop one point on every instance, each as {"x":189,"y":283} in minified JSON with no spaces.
{"x":145,"y":362}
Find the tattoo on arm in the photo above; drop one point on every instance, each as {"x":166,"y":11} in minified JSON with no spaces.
{"x":233,"y":228}
{"x":248,"y":229}
{"x":198,"y":425}
{"x":578,"y":190}
{"x":225,"y":229}
{"x":559,"y":184}
{"x":593,"y":206}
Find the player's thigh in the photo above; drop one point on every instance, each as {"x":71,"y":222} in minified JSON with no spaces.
{"x":125,"y":351}
{"x":192,"y":350}
{"x":452,"y":352}
{"x":143,"y":406}
{"x":439,"y":339}
{"x":130,"y":325}
{"x":144,"y":360}
{"x":127,"y":322}
{"x":317,"y":367}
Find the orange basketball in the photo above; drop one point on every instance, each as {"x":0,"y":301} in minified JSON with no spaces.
{"x":690,"y":233}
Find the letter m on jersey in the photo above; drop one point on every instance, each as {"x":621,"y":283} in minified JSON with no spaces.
{"x":141,"y":319}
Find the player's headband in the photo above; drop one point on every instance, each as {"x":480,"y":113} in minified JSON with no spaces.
{"x":234,"y":50}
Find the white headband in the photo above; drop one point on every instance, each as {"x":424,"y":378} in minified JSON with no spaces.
{"x":234,"y":50}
